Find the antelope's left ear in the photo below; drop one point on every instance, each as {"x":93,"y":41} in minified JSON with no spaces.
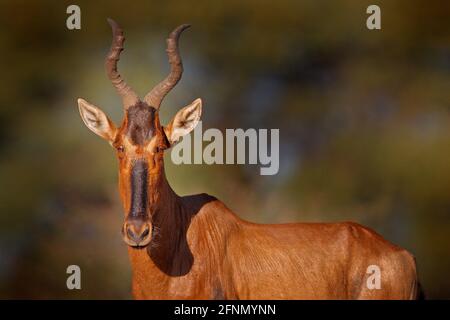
{"x":184,"y":121}
{"x":96,"y":120}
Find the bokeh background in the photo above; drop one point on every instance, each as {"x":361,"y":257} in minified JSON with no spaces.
{"x":364,"y":119}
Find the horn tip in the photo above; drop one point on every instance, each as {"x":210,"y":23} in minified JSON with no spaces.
{"x":112,"y":22}
{"x":178,"y":30}
{"x":184,"y":27}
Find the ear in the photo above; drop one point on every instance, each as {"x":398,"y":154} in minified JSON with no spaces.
{"x":184,"y":121}
{"x":96,"y":120}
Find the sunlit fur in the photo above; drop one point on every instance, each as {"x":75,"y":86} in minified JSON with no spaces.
{"x":194,"y":247}
{"x":203,"y":250}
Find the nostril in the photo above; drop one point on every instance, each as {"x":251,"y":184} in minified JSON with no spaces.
{"x":131,"y":234}
{"x":145,"y":233}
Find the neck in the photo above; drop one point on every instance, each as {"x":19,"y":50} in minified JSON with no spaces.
{"x":168,"y":250}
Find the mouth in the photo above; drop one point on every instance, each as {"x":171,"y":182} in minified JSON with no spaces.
{"x":137,"y":245}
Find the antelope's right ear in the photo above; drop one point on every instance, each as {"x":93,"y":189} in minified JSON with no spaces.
{"x":96,"y":120}
{"x":184,"y":121}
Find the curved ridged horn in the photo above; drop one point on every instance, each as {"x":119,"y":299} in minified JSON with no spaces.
{"x":129,"y":97}
{"x":155,"y":97}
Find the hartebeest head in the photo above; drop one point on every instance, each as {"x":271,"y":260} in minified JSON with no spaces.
{"x":140,"y":141}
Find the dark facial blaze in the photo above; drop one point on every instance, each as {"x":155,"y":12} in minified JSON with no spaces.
{"x":142,"y":126}
{"x":139,"y":183}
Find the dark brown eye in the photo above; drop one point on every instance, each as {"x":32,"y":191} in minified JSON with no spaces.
{"x":120,"y":149}
{"x":157,"y":149}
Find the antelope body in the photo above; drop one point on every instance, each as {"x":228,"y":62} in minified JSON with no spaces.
{"x":194,"y":247}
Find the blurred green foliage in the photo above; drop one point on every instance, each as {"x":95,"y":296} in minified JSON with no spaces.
{"x":364,"y":119}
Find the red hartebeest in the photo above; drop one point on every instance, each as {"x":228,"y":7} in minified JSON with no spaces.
{"x":194,"y":247}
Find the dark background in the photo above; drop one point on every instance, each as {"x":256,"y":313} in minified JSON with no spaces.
{"x":363,"y":116}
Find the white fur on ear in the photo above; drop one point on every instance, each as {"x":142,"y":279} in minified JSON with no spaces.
{"x":184,"y":121}
{"x":96,"y":120}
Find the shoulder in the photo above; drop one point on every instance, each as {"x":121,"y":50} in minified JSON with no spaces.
{"x":199,"y":202}
{"x":206,"y":205}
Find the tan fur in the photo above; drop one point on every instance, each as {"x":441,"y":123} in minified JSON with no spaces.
{"x":199,"y":249}
{"x":204,"y":251}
